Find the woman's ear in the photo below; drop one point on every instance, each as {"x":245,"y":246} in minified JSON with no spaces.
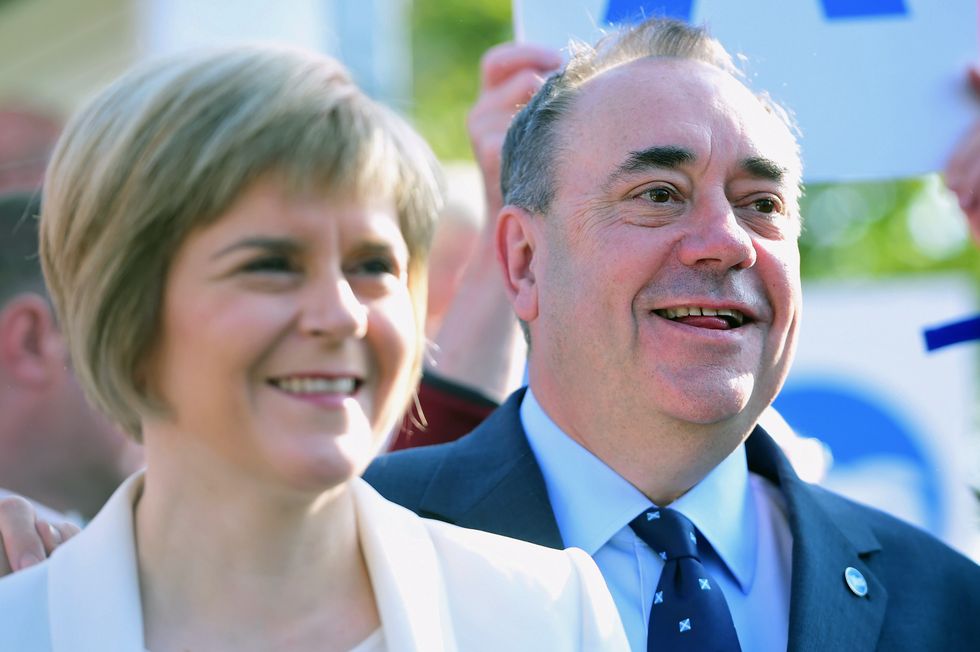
{"x":516,"y":231}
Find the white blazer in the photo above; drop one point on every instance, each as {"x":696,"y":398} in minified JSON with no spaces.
{"x":438,"y":588}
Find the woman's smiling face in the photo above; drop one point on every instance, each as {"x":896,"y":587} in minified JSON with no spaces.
{"x":288,"y":336}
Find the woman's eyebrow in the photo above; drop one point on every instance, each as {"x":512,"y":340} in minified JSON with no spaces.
{"x":279,"y":245}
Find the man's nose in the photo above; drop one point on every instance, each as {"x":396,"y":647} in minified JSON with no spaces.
{"x":332,"y":310}
{"x":715,"y":237}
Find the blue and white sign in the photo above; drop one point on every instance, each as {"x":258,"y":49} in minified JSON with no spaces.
{"x":878,"y":87}
{"x":371,"y":38}
{"x":897,"y":420}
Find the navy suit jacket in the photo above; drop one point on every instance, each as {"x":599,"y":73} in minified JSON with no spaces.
{"x":921,"y":594}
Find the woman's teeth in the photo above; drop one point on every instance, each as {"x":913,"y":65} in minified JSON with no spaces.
{"x":316,"y":385}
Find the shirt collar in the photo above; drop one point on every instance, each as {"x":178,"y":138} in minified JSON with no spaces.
{"x":592,"y":502}
{"x":722,"y":507}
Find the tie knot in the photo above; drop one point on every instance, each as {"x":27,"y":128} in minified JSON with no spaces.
{"x":667,"y":532}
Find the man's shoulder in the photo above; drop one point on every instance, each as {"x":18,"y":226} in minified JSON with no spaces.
{"x":894,"y":546}
{"x":926,"y":584}
{"x":403,"y":476}
{"x":412,"y":459}
{"x":904,"y":548}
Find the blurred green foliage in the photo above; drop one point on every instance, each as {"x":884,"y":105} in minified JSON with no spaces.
{"x":448,"y":39}
{"x":852,"y":230}
{"x":890,"y":228}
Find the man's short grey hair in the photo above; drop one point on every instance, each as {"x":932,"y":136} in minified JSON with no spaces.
{"x":531,"y":146}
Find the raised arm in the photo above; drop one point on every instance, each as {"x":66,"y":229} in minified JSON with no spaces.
{"x":479,"y":345}
{"x":963,"y":169}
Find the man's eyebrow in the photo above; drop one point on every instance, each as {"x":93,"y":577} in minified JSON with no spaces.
{"x":656,"y":157}
{"x":764,"y":168}
{"x":277,"y":245}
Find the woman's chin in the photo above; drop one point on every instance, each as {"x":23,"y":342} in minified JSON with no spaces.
{"x":325,"y":465}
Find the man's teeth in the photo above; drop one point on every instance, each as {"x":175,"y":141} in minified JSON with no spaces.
{"x":697,"y":311}
{"x":316,"y":385}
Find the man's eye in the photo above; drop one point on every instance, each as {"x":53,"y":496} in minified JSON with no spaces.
{"x":658,"y":195}
{"x":767,"y":205}
{"x":269,"y":264}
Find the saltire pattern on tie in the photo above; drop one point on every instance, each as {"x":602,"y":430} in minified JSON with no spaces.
{"x":689,"y":611}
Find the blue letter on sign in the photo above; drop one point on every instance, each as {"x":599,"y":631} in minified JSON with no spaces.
{"x":633,"y":11}
{"x":837,"y":9}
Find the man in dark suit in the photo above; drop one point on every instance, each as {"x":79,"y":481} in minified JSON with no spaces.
{"x":649,"y":246}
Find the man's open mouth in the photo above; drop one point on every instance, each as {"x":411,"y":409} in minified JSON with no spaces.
{"x":713,"y":318}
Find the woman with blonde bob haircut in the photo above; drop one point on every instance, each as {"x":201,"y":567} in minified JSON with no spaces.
{"x":235,"y":243}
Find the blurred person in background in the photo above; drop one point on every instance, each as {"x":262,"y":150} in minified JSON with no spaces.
{"x":26,"y":139}
{"x":54,"y":449}
{"x":457,"y":231}
{"x":478,"y":354}
{"x":236,"y":244}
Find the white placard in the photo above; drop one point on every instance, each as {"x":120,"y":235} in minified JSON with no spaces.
{"x":167,"y":26}
{"x":879,"y":95}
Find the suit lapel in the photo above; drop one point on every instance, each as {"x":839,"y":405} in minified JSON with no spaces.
{"x":490,"y":481}
{"x":824,"y":613}
{"x":405,"y":573}
{"x":93,"y":585}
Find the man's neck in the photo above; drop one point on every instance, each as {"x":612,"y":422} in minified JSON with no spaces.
{"x":661,"y":456}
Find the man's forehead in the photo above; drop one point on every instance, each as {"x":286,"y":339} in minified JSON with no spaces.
{"x":669,"y":79}
{"x":676,"y":102}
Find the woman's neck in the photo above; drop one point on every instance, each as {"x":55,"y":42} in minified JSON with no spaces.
{"x":227,"y":562}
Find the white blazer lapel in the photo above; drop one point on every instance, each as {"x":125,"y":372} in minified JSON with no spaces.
{"x":405,"y":573}
{"x":94,"y":594}
{"x":93,"y":582}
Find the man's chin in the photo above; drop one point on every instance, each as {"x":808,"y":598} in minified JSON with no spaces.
{"x":733,"y":409}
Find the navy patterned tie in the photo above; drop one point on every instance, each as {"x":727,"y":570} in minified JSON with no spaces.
{"x":689,"y":611}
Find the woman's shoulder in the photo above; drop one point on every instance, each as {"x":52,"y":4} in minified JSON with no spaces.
{"x":504,"y":553}
{"x":503,"y":559}
{"x":501,"y":593}
{"x":23,"y":610}
{"x":504,"y":589}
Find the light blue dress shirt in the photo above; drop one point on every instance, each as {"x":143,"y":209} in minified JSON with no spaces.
{"x":741,"y":515}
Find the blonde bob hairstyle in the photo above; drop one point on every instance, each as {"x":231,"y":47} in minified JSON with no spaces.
{"x":166,"y":149}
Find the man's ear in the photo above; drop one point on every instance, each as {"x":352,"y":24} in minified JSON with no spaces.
{"x":31,"y":347}
{"x":516,"y":231}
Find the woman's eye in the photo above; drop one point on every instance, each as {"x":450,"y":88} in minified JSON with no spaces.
{"x":270,"y":264}
{"x":374,"y":267}
{"x":658,"y":195}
